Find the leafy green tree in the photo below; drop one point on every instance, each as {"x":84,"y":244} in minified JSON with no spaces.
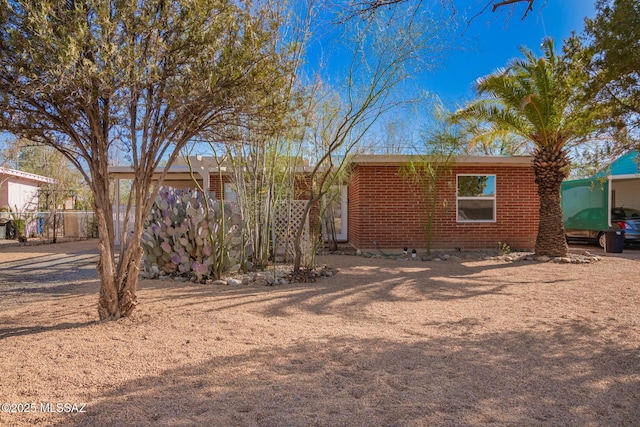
{"x":89,"y":77}
{"x":535,"y":98}
{"x":266,"y":166}
{"x":613,"y":46}
{"x":608,"y":50}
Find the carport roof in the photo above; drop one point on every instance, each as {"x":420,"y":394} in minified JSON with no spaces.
{"x":624,"y":165}
{"x":180,"y":169}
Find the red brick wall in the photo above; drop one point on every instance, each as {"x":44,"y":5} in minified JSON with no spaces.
{"x":385,"y":207}
{"x":355,"y":220}
{"x":217,"y":185}
{"x":302,"y":192}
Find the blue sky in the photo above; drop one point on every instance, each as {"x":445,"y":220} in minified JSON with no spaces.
{"x":478,"y":47}
{"x":491,"y":39}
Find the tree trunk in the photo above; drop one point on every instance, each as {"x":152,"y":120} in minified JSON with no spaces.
{"x":117,"y":292}
{"x":108,"y":307}
{"x":550,"y":166}
{"x":330,"y":226}
{"x":128,"y":282}
{"x":297,"y":245}
{"x":118,"y":282}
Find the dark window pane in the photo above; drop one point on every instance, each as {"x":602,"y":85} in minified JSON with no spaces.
{"x":475,"y":210}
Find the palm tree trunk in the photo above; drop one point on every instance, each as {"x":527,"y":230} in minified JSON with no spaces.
{"x":550,"y":166}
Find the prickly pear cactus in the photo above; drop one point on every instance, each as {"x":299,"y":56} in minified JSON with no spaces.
{"x":188,"y":236}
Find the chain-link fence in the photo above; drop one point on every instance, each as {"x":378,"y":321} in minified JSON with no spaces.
{"x":48,"y":225}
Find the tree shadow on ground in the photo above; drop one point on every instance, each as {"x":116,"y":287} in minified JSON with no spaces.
{"x":373,"y":281}
{"x":365,"y":282}
{"x":571,"y":376}
{"x":569,"y":372}
{"x":31,"y":330}
{"x":25,"y":296}
{"x":54,"y":308}
{"x":50,"y":268}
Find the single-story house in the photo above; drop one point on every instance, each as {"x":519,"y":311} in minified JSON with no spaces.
{"x":386,"y":211}
{"x":480,"y":201}
{"x":214,"y":178}
{"x":19,"y":193}
{"x":19,"y":189}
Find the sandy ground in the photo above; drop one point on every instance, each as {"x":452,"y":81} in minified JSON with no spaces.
{"x":382,"y":343}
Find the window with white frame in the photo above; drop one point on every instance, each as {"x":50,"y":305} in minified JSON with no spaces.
{"x":476,"y":198}
{"x":230,"y":192}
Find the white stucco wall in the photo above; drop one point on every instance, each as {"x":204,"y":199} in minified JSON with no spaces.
{"x":19,"y":189}
{"x":22,"y":195}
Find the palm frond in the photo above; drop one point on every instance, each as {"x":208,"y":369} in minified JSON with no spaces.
{"x":529,"y":98}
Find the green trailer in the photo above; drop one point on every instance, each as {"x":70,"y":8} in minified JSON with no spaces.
{"x":593,"y":205}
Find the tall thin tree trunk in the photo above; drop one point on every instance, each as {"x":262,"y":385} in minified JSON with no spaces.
{"x":330,"y":226}
{"x":117,"y":292}
{"x":118,"y":282}
{"x":550,"y":166}
{"x":297,"y":240}
{"x":108,"y":307}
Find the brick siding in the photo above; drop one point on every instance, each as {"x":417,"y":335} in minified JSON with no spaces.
{"x":216,"y":184}
{"x":384,"y":207}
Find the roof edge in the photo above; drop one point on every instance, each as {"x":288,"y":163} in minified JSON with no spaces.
{"x":27,"y":175}
{"x":396,"y":159}
{"x":127,"y":172}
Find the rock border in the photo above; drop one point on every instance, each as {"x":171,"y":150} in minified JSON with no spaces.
{"x":283,"y":275}
{"x":280,"y":275}
{"x":584,"y":258}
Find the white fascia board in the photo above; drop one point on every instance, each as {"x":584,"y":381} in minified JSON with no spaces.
{"x":27,"y":175}
{"x":620,"y":177}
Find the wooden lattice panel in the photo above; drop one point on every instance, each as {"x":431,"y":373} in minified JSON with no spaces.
{"x":287,"y":217}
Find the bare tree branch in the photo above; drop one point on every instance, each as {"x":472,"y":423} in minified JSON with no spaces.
{"x":366,"y":8}
{"x":508,"y":2}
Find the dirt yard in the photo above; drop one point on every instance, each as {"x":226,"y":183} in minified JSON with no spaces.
{"x":382,"y":343}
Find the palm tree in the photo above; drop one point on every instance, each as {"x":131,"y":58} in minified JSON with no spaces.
{"x":535,"y":99}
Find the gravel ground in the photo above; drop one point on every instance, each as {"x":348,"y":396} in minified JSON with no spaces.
{"x":383,"y":342}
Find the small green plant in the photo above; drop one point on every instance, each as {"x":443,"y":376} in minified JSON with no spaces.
{"x":92,"y":227}
{"x":503,"y":248}
{"x":20,"y":220}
